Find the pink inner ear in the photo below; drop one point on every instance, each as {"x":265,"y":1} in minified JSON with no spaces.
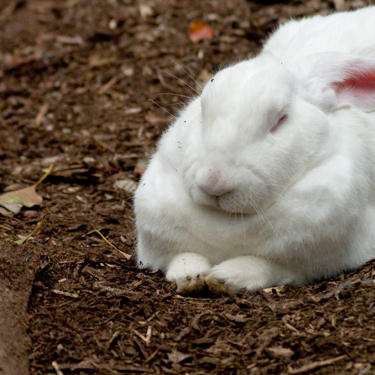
{"x":362,"y":81}
{"x":359,"y":89}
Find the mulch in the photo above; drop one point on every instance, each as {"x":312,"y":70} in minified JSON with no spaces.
{"x":82,"y":83}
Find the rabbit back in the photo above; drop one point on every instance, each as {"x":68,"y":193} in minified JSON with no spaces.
{"x":346,"y":32}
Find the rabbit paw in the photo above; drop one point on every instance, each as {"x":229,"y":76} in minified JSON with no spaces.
{"x":192,"y":286}
{"x":188,"y":271}
{"x":215,"y":286}
{"x":250,"y":273}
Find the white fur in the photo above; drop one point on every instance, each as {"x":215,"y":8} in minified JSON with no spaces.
{"x":239,"y":197}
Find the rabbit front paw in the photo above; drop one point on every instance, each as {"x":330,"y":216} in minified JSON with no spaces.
{"x":215,"y":286}
{"x":192,"y":286}
{"x":188,"y":271}
{"x":248,"y":272}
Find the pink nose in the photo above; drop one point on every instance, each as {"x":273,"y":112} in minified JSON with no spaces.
{"x":214,"y":184}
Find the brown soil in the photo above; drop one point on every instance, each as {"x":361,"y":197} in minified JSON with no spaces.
{"x":78,"y":82}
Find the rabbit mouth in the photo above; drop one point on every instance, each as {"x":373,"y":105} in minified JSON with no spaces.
{"x":229,"y":204}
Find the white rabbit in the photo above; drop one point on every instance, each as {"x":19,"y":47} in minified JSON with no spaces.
{"x":268,"y":177}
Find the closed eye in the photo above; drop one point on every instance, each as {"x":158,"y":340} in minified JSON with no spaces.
{"x":281,"y":120}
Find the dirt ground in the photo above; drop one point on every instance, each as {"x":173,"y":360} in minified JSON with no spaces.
{"x":81,"y":82}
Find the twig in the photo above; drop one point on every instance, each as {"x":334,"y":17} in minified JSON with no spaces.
{"x":57,"y":368}
{"x":313,"y":365}
{"x":108,"y":85}
{"x":42,"y":112}
{"x":127,"y":256}
{"x":44,"y":176}
{"x":65,"y":294}
{"x":24,"y":239}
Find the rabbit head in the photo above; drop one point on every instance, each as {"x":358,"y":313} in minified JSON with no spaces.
{"x":264,"y":124}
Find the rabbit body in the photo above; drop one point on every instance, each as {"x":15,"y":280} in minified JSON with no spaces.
{"x":268,"y":177}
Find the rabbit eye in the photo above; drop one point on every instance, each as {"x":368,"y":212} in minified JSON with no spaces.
{"x":281,"y":120}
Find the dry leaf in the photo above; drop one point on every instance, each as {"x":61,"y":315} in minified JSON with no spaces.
{"x":25,"y":197}
{"x":5,"y":212}
{"x":13,"y":207}
{"x":199,"y":31}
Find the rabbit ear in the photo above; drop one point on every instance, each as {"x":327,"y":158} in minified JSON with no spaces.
{"x":337,"y":79}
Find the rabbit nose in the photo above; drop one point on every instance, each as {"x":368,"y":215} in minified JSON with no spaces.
{"x":215,"y":184}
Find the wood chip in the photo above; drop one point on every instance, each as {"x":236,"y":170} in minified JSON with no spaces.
{"x":42,"y":112}
{"x":314,"y":365}
{"x":176,"y":357}
{"x":108,"y":85}
{"x":146,"y":338}
{"x":280,"y":352}
{"x":127,"y":184}
{"x":65,"y":294}
{"x":237,"y":318}
{"x":57,"y":368}
{"x":287,"y":324}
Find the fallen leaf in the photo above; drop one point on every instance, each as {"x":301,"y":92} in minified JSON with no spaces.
{"x":5,"y":212}
{"x":13,"y":207}
{"x":26,"y":197}
{"x":199,"y":31}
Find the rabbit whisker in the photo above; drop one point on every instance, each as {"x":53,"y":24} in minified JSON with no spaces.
{"x":181,"y":104}
{"x":171,"y":93}
{"x":262,"y":214}
{"x":181,"y":80}
{"x":279,"y":195}
{"x":279,"y":185}
{"x":175,"y":62}
{"x":153,"y":101}
{"x":244,"y":228}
